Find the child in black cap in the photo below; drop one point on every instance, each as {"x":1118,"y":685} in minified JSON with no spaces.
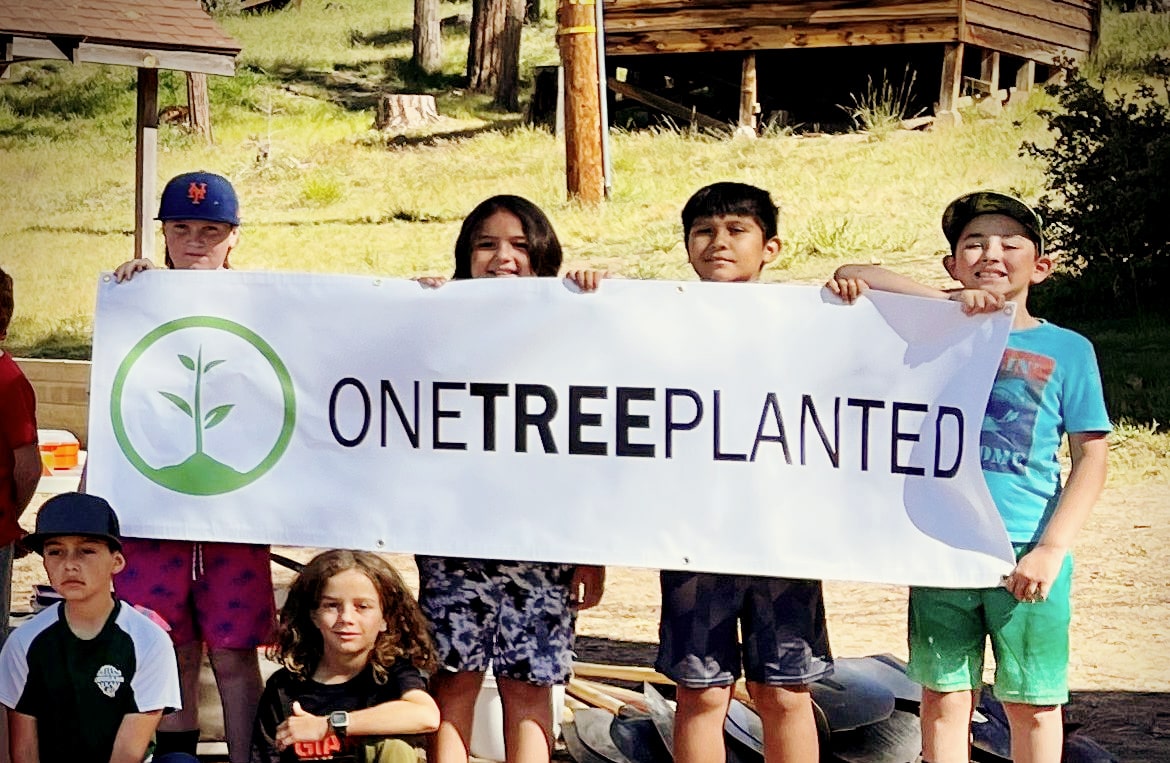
{"x":90,"y":677}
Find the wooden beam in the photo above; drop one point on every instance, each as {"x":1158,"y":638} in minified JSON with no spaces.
{"x":989,"y":68}
{"x":952,"y":81}
{"x":748,"y":94}
{"x":577,"y":39}
{"x":145,"y":162}
{"x":667,"y":106}
{"x":1026,"y":76}
{"x":1041,"y":51}
{"x":779,"y":37}
{"x":178,"y":60}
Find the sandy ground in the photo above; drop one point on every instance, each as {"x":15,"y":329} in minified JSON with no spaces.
{"x":1120,"y":672}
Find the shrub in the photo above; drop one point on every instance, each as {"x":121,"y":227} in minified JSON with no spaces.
{"x":1106,"y":204}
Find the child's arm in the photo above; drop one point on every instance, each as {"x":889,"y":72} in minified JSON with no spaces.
{"x":851,"y":281}
{"x":414,"y":713}
{"x":26,"y":474}
{"x":1036,"y":570}
{"x":587,"y":586}
{"x":22,"y":738}
{"x":134,"y":736}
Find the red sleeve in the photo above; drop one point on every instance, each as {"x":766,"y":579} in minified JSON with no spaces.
{"x":18,"y":403}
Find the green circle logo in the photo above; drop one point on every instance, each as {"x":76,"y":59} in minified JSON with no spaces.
{"x":200,"y":473}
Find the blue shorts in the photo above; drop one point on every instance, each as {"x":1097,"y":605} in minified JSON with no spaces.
{"x":785,"y":638}
{"x":516,"y":617}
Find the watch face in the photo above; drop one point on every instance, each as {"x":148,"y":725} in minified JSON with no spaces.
{"x":339,"y":719}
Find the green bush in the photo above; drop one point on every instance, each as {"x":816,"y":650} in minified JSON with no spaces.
{"x":1106,"y":204}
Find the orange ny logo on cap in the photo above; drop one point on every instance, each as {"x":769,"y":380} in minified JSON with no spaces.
{"x":196,"y":192}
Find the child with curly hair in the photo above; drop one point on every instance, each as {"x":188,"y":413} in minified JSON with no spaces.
{"x":354,"y":646}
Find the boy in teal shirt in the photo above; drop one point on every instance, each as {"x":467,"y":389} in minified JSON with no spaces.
{"x":1048,"y":386}
{"x":730,"y":230}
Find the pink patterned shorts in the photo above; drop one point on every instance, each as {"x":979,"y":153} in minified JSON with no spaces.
{"x":216,"y":593}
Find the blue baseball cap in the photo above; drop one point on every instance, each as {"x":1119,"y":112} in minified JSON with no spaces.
{"x":75,"y":514}
{"x":200,"y":196}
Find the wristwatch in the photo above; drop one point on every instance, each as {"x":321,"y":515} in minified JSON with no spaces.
{"x":339,"y":722}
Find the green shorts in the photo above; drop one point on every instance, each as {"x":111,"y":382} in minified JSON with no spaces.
{"x":948,"y":629}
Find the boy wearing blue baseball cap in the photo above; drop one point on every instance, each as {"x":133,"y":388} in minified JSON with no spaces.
{"x":200,"y":213}
{"x":90,"y":677}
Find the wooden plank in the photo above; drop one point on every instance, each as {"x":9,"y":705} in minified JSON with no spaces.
{"x":980,"y":14}
{"x":666,"y":106}
{"x":748,"y":93}
{"x":178,"y":60}
{"x":1067,"y":14}
{"x":145,"y":162}
{"x":785,"y":6}
{"x":780,"y":38}
{"x":1026,"y":76}
{"x":989,"y":68}
{"x":952,"y":77}
{"x":1040,"y":51}
{"x":767,"y":14}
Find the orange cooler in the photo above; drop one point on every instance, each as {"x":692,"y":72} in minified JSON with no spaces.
{"x":60,"y":446}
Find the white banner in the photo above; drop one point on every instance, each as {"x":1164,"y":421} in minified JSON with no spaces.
{"x":747,"y":428}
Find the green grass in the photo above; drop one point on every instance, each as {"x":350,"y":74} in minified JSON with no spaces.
{"x":324,"y":192}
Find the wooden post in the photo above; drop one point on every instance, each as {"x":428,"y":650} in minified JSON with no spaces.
{"x":748,"y":95}
{"x":145,"y":162}
{"x":952,"y":78}
{"x":989,"y":68}
{"x":577,"y":38}
{"x":198,"y":104}
{"x":1026,"y":77}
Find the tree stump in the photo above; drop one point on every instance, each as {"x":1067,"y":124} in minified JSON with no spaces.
{"x":396,"y":111}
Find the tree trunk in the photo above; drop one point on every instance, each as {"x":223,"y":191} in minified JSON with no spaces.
{"x":427,"y":52}
{"x":508,"y":86}
{"x":488,"y":19}
{"x":198,"y":104}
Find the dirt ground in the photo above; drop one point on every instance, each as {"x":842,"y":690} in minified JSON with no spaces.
{"x":1120,"y":672}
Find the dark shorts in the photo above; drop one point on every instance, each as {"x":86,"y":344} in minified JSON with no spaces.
{"x":785,"y":638}
{"x":516,"y":617}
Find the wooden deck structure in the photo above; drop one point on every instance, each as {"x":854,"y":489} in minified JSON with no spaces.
{"x":1045,"y":32}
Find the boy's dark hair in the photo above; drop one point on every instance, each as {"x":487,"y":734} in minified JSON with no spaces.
{"x":298,"y":644}
{"x":7,"y":304}
{"x":544,"y":249}
{"x":732,"y":199}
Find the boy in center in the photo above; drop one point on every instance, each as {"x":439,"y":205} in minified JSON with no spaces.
{"x":730,"y":231}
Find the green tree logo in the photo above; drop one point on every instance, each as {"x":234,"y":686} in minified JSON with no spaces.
{"x":200,"y":473}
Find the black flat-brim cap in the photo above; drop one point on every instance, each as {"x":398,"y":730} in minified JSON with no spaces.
{"x":75,"y":514}
{"x":971,"y":205}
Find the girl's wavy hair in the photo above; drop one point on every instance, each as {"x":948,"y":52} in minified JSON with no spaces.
{"x":299,"y":645}
{"x":544,"y":249}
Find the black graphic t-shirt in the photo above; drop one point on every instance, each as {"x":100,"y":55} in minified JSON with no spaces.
{"x":358,"y":693}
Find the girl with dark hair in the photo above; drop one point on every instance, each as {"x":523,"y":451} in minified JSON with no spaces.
{"x":517,"y":618}
{"x":353,"y":645}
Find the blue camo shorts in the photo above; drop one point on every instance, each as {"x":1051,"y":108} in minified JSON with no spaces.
{"x":516,"y":617}
{"x":785,"y":638}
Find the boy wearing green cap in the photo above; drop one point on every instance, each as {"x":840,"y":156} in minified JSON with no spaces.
{"x":1048,"y":386}
{"x":88,"y":678}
